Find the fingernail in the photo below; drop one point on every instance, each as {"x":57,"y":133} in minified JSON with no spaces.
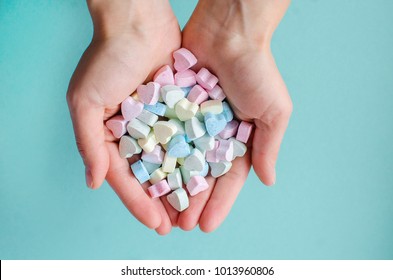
{"x":89,"y":178}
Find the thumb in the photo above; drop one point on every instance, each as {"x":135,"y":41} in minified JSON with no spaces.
{"x":266,"y":145}
{"x":88,"y":125}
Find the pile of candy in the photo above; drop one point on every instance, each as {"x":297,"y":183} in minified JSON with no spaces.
{"x":184,"y":128}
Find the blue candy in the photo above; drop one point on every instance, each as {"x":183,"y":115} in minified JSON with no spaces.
{"x":227,"y":111}
{"x":205,"y":170}
{"x":178,"y":147}
{"x":214,"y":123}
{"x":158,"y":108}
{"x":150,"y":167}
{"x":140,"y":171}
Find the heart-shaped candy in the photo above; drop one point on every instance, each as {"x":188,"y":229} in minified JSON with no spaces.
{"x":184,"y":59}
{"x":128,"y":147}
{"x":118,"y":126}
{"x":164,"y":76}
{"x":178,"y":199}
{"x":149,"y":93}
{"x":218,"y":169}
{"x":185,"y":109}
{"x":171,"y":95}
{"x":195,"y":161}
{"x":131,"y":108}
{"x":194,"y":128}
{"x":178,"y":147}
{"x":214,"y":123}
{"x":164,"y":130}
{"x":156,"y":156}
{"x":185,"y":79}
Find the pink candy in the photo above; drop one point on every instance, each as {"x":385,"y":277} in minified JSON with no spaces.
{"x":118,"y":126}
{"x":196,"y":185}
{"x":149,"y":93}
{"x":244,"y":131}
{"x":206,"y":79}
{"x":211,"y":156}
{"x":156,"y":156}
{"x":197,"y":95}
{"x":131,"y":108}
{"x":185,"y":79}
{"x":184,"y":59}
{"x":217,"y":93}
{"x":224,"y":151}
{"x":164,"y":76}
{"x":229,"y":130}
{"x":159,"y":189}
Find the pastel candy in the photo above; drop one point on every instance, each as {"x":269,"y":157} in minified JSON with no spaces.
{"x":184,"y":59}
{"x":155,"y":156}
{"x":220,"y":168}
{"x":185,"y":79}
{"x":128,"y":147}
{"x":137,"y":129}
{"x":185,"y":109}
{"x":178,"y":199}
{"x":148,"y":144}
{"x":224,"y":151}
{"x":214,"y":123}
{"x":211,"y":156}
{"x":186,"y":90}
{"x":140,"y":172}
{"x":216,"y":93}
{"x":227,"y":111}
{"x":204,"y":143}
{"x":239,"y":148}
{"x":117,"y":125}
{"x":169,"y":163}
{"x":179,"y":126}
{"x":194,"y":128}
{"x":159,"y":189}
{"x":206,"y":79}
{"x":196,"y":185}
{"x":197,"y":95}
{"x":180,"y":161}
{"x":164,"y":76}
{"x":147,"y":117}
{"x":187,"y":174}
{"x":205,"y":170}
{"x":199,"y":116}
{"x":157,"y":175}
{"x":211,"y":106}
{"x":164,"y":130}
{"x":178,"y":147}
{"x":158,"y":109}
{"x":195,"y":161}
{"x":130,"y":108}
{"x":150,"y":167}
{"x":171,"y":95}
{"x":244,"y":131}
{"x":174,"y":179}
{"x":229,"y":130}
{"x":149,"y":93}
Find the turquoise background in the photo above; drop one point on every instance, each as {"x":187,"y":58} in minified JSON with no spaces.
{"x":334,"y":194}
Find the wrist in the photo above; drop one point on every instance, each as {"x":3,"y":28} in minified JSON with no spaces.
{"x":119,"y":18}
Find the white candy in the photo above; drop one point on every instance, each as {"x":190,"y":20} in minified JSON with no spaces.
{"x":147,"y":117}
{"x":179,"y":125}
{"x":178,"y":199}
{"x":239,"y":148}
{"x":194,"y":128}
{"x":205,"y":143}
{"x":169,"y":164}
{"x":185,"y":109}
{"x":148,"y":143}
{"x":128,"y":147}
{"x":171,"y":95}
{"x":170,"y":113}
{"x":174,"y":179}
{"x":137,"y":129}
{"x":157,"y":176}
{"x":195,"y":161}
{"x":164,"y":130}
{"x":220,"y":168}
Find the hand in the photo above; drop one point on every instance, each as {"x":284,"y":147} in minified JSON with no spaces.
{"x":225,"y":38}
{"x":125,"y":51}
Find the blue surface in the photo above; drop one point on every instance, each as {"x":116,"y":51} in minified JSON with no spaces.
{"x":334,"y":193}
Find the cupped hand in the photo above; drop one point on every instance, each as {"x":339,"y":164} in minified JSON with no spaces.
{"x":256,"y":91}
{"x":110,"y":70}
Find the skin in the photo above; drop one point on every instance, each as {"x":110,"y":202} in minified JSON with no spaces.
{"x":128,"y":48}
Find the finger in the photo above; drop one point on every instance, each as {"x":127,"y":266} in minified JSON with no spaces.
{"x":88,"y":125}
{"x":266,"y":144}
{"x":166,"y":225}
{"x":130,"y":191}
{"x":224,"y":194}
{"x":189,"y":218}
